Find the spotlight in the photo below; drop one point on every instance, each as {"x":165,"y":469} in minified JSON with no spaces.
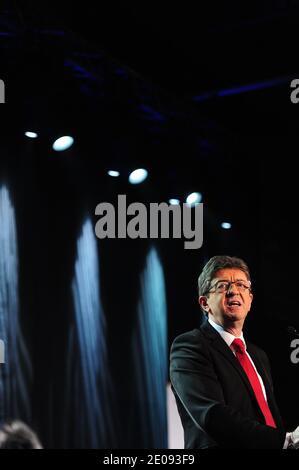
{"x":113,"y":173}
{"x":138,"y":176}
{"x":226,"y":225}
{"x":31,"y":135}
{"x":194,"y":198}
{"x":174,"y":202}
{"x":63,"y":143}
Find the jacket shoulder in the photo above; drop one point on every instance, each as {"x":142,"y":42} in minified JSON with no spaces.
{"x":190,"y":344}
{"x":189,"y":337}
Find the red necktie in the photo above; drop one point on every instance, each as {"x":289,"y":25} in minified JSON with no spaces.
{"x":245,"y":362}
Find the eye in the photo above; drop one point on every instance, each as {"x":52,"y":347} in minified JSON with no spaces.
{"x":241,"y":285}
{"x":223,"y":285}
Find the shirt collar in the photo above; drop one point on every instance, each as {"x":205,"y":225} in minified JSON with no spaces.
{"x":226,"y":336}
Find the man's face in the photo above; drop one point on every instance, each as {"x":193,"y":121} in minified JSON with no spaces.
{"x":231,"y":305}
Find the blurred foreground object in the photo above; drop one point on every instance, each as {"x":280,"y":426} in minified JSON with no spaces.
{"x":15,"y":434}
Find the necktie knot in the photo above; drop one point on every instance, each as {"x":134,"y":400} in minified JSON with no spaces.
{"x":238,"y":346}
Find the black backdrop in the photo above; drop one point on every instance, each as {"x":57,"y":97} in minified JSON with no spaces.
{"x":239,"y":150}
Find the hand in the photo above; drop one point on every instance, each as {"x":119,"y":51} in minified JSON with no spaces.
{"x":294,"y":439}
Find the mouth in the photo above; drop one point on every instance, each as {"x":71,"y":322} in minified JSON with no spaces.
{"x":234,"y":303}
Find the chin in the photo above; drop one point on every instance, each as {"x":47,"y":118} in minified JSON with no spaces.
{"x":235,"y":316}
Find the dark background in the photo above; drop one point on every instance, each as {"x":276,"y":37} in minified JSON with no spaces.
{"x":201,"y":98}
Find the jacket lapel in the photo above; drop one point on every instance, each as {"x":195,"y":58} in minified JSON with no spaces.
{"x":260,"y":368}
{"x":264,"y":373}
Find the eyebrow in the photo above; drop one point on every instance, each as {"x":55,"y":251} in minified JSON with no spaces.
{"x":228,"y":280}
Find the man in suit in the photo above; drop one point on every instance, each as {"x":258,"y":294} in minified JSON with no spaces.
{"x":221,"y":382}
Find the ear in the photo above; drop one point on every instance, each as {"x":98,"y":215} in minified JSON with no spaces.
{"x":251,"y":298}
{"x":203,"y":302}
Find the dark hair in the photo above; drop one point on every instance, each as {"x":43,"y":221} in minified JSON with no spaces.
{"x":215,"y":264}
{"x":15,"y":434}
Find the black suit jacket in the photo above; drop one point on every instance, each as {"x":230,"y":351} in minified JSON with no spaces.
{"x":216,"y":403}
